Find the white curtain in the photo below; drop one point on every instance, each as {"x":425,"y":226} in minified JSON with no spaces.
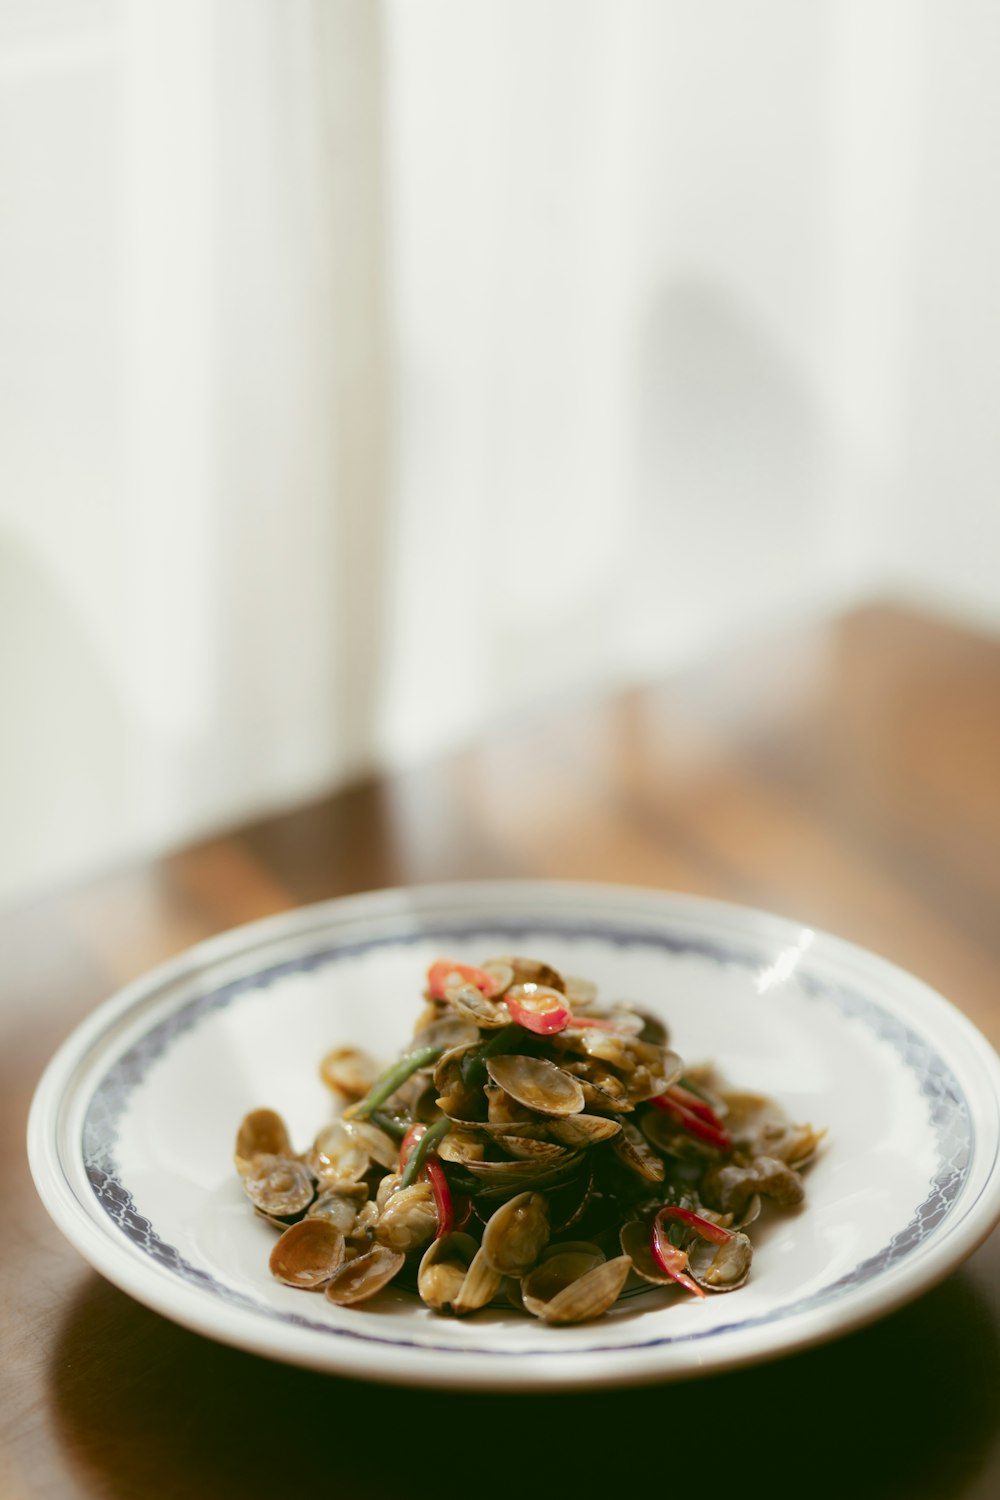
{"x":372,"y":371}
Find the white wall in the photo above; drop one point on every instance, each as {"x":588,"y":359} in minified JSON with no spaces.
{"x":367,"y":371}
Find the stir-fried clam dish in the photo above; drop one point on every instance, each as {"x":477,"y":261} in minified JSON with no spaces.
{"x":530,"y":1147}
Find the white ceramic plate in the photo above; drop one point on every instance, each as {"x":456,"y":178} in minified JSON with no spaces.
{"x":132,"y":1127}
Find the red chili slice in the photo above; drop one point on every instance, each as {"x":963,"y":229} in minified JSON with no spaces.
{"x":692,"y":1123}
{"x":668,"y":1257}
{"x":695,"y":1104}
{"x":442,"y":1196}
{"x":440,"y":979}
{"x":708,"y":1231}
{"x":538,"y":1008}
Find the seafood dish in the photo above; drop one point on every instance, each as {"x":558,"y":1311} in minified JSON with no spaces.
{"x":531,"y":1148}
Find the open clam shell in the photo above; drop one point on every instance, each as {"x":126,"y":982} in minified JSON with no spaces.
{"x":280,"y":1186}
{"x":443,"y":1269}
{"x":537,"y":1083}
{"x":337,"y":1155}
{"x":516,"y":1234}
{"x":720,"y":1268}
{"x":340,"y":1205}
{"x":472,"y":1005}
{"x":634,"y":1237}
{"x":262,"y":1133}
{"x":569,"y":1288}
{"x":348,"y":1072}
{"x":454,"y":1276}
{"x":366,"y":1275}
{"x":308,"y":1254}
{"x":448,"y":1032}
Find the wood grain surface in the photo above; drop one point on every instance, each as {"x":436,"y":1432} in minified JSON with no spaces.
{"x":844,"y":773}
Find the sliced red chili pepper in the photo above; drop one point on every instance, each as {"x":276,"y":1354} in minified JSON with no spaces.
{"x":708,"y":1231}
{"x":440,"y":979}
{"x":442,"y":1196}
{"x":692,"y":1123}
{"x":667,"y":1256}
{"x":538,"y":1008}
{"x":695,"y":1104}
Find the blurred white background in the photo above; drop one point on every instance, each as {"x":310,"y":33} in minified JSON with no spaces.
{"x":371,"y":370}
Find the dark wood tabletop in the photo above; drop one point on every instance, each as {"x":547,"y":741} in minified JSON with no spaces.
{"x":843,"y":773}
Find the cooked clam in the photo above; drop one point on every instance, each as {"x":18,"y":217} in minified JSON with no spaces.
{"x":443,"y":1269}
{"x":308,"y":1253}
{"x":731,"y":1187}
{"x":378,"y":1143}
{"x":516,"y":1234}
{"x":537,"y":1083}
{"x":561,"y":1291}
{"x":472,"y":1005}
{"x":459,"y":1096}
{"x":280,"y":1186}
{"x":581,"y":994}
{"x":720,"y":1268}
{"x":262,"y":1133}
{"x":363,"y":1230}
{"x":363,"y":1277}
{"x":455,"y":1276}
{"x":460,"y":1146}
{"x":602,"y":1090}
{"x":408,"y":1219}
{"x":760,"y":1127}
{"x":634,"y":1238}
{"x":338,"y":1155}
{"x":448,"y":1032}
{"x":501,"y":974}
{"x":349,"y":1072}
{"x":339,"y":1206}
{"x":502,"y":1109}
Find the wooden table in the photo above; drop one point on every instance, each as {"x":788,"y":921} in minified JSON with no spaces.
{"x":845,"y":774}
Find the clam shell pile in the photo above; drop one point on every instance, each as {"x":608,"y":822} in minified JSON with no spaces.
{"x":531,"y":1148}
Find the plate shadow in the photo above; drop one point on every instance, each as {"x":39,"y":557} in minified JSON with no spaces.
{"x":908,"y":1407}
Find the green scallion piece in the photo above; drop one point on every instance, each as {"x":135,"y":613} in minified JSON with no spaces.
{"x":415,"y":1160}
{"x":389,"y":1124}
{"x":392,"y":1079}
